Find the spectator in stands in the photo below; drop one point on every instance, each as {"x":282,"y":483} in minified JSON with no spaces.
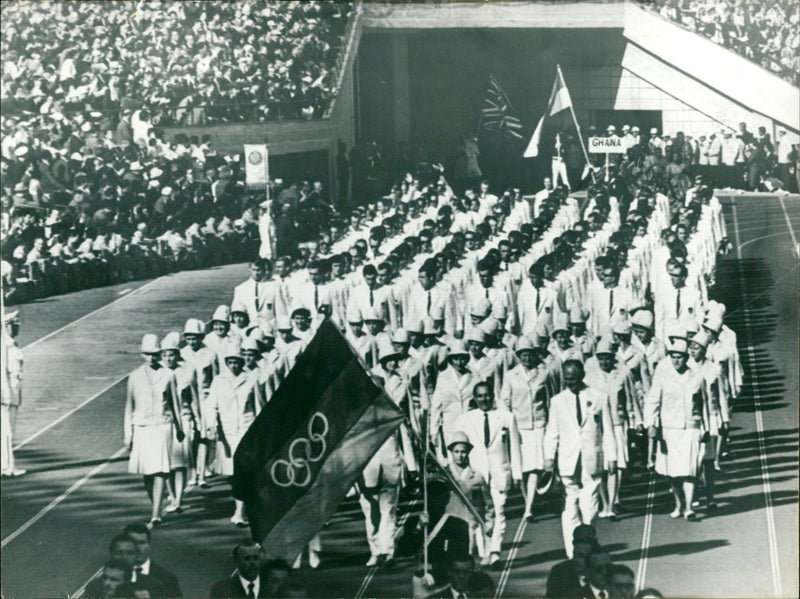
{"x":767,"y":34}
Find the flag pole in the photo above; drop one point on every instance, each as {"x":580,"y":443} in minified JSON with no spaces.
{"x":425,"y":498}
{"x":575,"y":120}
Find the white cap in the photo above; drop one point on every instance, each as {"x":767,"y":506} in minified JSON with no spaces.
{"x":171,"y":341}
{"x":149,"y":344}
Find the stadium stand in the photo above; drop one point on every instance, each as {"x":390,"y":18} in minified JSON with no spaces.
{"x":766,"y":33}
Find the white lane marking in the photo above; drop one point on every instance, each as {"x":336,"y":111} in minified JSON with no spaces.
{"x":82,"y":589}
{"x":789,"y":224}
{"x":371,"y":574}
{"x":512,"y":554}
{"x":92,"y":313}
{"x":767,"y":487}
{"x":749,"y":241}
{"x":641,"y":572}
{"x":75,"y":486}
{"x":66,"y":415}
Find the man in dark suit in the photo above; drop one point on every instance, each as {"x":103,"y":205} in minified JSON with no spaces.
{"x":159,"y":581}
{"x":246,"y":581}
{"x":568,"y":578}
{"x":116,"y":572}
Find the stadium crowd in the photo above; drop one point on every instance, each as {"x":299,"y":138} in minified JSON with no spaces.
{"x":725,"y":159}
{"x":185,"y":62}
{"x":766,"y":33}
{"x":502,"y":322}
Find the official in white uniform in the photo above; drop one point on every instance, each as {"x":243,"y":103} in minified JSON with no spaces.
{"x":580,"y":432}
{"x":496,"y":455}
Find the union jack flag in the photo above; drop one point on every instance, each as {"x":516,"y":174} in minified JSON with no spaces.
{"x":497,"y":113}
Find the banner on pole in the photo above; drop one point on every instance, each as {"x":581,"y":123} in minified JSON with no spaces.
{"x":606,"y":145}
{"x":256,"y":166}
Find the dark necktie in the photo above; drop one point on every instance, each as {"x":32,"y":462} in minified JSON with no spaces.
{"x":316,"y":296}
{"x":371,"y":298}
{"x":487,"y":293}
{"x":610,"y":302}
{"x":487,"y":436}
{"x":678,"y":304}
{"x":251,"y":590}
{"x":429,"y":303}
{"x":538,"y":296}
{"x":138,"y":571}
{"x":578,"y":408}
{"x":256,"y":287}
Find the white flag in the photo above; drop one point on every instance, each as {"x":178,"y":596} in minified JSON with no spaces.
{"x":559,"y":100}
{"x":256,"y":165}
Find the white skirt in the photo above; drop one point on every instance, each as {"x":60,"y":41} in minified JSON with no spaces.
{"x":181,"y":455}
{"x":621,"y":438}
{"x":225,"y":462}
{"x":151,"y":449}
{"x":532,"y":449}
{"x":682,"y":457}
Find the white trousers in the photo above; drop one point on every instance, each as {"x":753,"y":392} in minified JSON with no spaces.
{"x":560,"y":170}
{"x":380,"y":517}
{"x":499,"y":500}
{"x":581,"y":504}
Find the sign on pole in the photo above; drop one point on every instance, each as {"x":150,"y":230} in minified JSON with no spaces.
{"x":256,"y":166}
{"x":606,"y":145}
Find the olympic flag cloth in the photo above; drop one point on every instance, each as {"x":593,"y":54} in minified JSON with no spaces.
{"x":559,"y":100}
{"x":309,"y":444}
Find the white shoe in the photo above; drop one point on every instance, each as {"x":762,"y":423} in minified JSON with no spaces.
{"x":171,"y":507}
{"x":238,"y":520}
{"x":372,"y":561}
{"x":313,"y":559}
{"x":298,"y":563}
{"x":14,"y":472}
{"x":494,"y":557}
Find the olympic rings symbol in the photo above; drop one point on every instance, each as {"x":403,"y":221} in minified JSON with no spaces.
{"x":296,"y":471}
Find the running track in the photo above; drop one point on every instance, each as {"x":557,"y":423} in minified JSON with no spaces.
{"x":57,"y":519}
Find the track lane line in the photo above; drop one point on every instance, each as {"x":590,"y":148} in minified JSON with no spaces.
{"x":374,"y":569}
{"x":70,"y":412}
{"x":641,"y":572}
{"x":92,"y":313}
{"x":53,"y":504}
{"x":79,"y":593}
{"x":512,"y":554}
{"x":765,"y":481}
{"x":791,"y":230}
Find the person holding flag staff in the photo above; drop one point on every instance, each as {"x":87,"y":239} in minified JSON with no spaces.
{"x":236,"y":400}
{"x":152,"y":411}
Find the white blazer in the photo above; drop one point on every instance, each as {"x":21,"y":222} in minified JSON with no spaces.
{"x":589,"y":441}
{"x":496,"y":463}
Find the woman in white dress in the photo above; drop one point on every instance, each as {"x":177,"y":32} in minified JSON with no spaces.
{"x":181,"y":456}
{"x":674,"y":406}
{"x":151,"y":412}
{"x":236,"y":398}
{"x":716,"y":411}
